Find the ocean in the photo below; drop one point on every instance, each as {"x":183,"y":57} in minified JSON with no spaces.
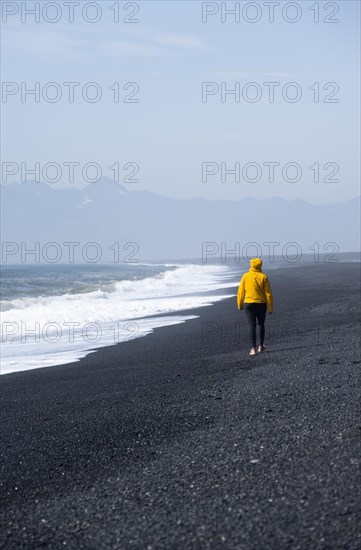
{"x":57,"y":314}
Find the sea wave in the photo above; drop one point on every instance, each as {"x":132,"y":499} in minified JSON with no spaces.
{"x":48,"y":330}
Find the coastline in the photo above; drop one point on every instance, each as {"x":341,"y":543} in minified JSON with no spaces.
{"x":180,"y":440}
{"x":49,"y":329}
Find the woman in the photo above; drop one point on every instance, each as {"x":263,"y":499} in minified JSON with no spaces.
{"x":255,"y":294}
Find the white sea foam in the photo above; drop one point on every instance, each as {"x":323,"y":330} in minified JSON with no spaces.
{"x":44,"y":331}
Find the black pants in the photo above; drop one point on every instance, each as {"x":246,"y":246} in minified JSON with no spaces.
{"x":255,"y":312}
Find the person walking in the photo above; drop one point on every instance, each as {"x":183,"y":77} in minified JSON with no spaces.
{"x":255,"y":295}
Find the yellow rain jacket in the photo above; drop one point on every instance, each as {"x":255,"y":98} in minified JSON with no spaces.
{"x":255,"y":287}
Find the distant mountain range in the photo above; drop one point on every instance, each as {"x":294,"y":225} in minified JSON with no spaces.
{"x":165,"y":228}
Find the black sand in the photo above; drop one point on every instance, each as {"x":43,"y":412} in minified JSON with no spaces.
{"x":179,"y":440}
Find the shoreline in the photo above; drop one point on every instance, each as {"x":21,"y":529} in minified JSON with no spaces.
{"x":179,"y":316}
{"x":180,"y":440}
{"x":42,"y":339}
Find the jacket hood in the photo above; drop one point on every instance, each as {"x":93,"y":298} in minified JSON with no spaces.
{"x":256,"y":264}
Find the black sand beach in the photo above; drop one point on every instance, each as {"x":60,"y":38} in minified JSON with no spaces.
{"x":179,"y":440}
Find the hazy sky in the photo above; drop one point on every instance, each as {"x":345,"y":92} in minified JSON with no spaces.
{"x":170,"y":131}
